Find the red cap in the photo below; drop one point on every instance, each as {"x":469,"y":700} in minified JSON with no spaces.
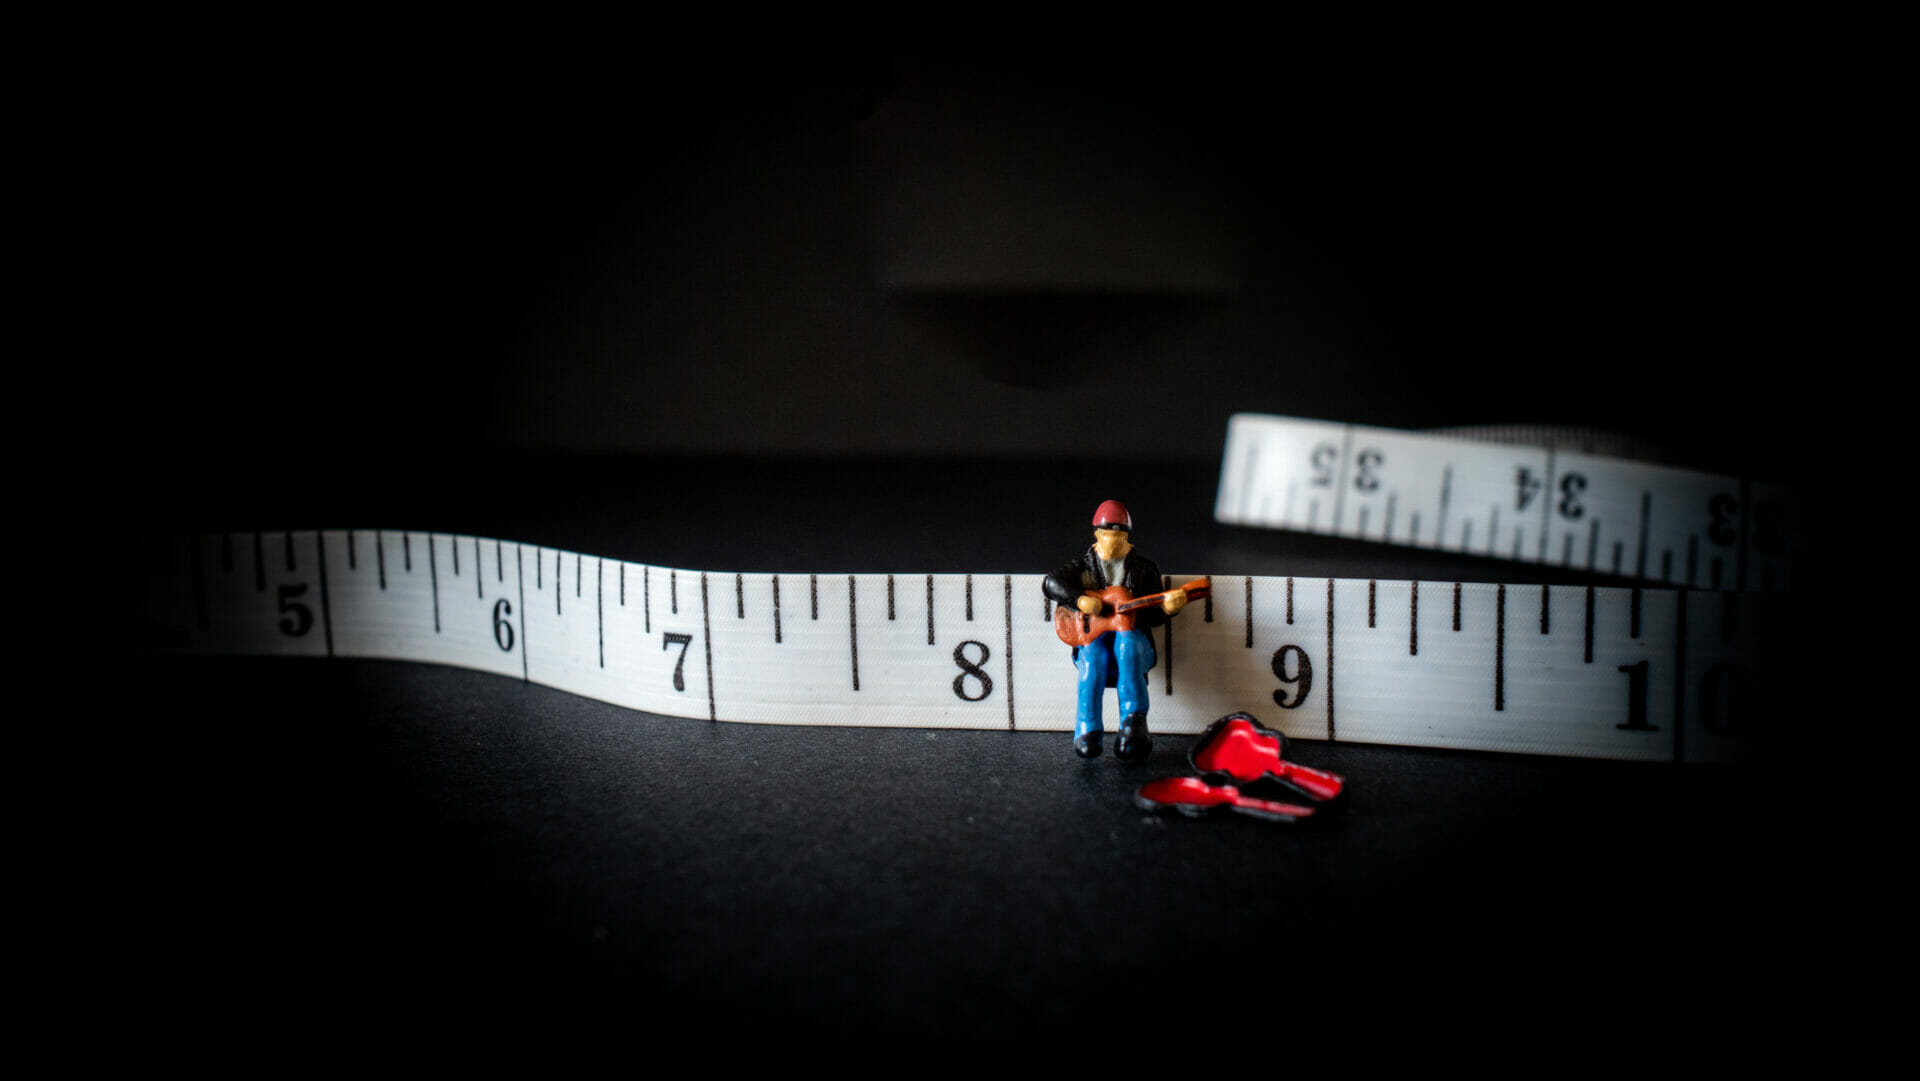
{"x":1113,"y":515}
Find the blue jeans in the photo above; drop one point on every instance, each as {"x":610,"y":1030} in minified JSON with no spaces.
{"x":1121,"y":658}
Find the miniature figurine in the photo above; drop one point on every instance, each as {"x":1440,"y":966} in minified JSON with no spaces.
{"x":1109,"y":600}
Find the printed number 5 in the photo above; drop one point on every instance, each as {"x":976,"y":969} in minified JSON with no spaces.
{"x":297,"y":618}
{"x":679,"y":668}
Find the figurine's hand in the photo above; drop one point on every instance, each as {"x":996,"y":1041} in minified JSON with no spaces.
{"x":1174,"y":601}
{"x":1089,"y":604}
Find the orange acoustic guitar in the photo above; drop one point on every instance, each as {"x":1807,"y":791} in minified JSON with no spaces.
{"x":1076,"y":628}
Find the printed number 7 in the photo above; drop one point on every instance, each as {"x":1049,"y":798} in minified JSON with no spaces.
{"x":679,"y":667}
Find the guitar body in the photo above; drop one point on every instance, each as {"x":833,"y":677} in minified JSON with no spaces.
{"x":1076,"y":628}
{"x":1117,"y":612}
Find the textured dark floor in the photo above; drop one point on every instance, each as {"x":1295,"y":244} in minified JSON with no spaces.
{"x":407,"y":830}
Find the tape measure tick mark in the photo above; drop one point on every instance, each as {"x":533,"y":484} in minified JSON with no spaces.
{"x":326,"y":609}
{"x":706,"y":635}
{"x":1007,"y":583}
{"x":1500,"y":650}
{"x":1589,"y":631}
{"x":1330,"y":729}
{"x":853,"y":629}
{"x":1413,"y":622}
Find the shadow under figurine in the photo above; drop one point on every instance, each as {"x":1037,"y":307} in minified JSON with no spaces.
{"x":1109,"y":598}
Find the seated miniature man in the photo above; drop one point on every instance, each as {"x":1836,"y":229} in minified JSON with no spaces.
{"x":1118,"y":659}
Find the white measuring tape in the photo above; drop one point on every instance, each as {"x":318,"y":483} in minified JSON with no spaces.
{"x":1528,"y":503}
{"x":1569,"y":670}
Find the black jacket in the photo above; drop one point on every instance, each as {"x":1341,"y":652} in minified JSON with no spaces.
{"x":1141,"y":577}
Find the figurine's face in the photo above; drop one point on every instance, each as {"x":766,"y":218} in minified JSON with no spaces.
{"x":1111,"y":543}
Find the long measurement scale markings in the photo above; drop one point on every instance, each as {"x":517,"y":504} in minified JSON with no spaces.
{"x":1249,"y":621}
{"x":706,"y":639}
{"x":1618,"y":680}
{"x":1589,"y":628}
{"x":1166,"y":583}
{"x":520,"y":576}
{"x":853,"y":629}
{"x":406,"y":552}
{"x":1007,"y":586}
{"x":326,"y":611}
{"x":1330,"y":729}
{"x":289,"y":540}
{"x":1482,"y":498}
{"x":259,"y":565}
{"x":1500,"y":650}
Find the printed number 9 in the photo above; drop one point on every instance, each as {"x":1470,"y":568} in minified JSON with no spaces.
{"x":1301,"y":679}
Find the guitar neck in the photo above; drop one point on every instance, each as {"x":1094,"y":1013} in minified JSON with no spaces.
{"x":1198,"y":588}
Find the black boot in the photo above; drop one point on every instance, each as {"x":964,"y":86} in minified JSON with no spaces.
{"x":1135,"y":742}
{"x":1088,"y":746}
